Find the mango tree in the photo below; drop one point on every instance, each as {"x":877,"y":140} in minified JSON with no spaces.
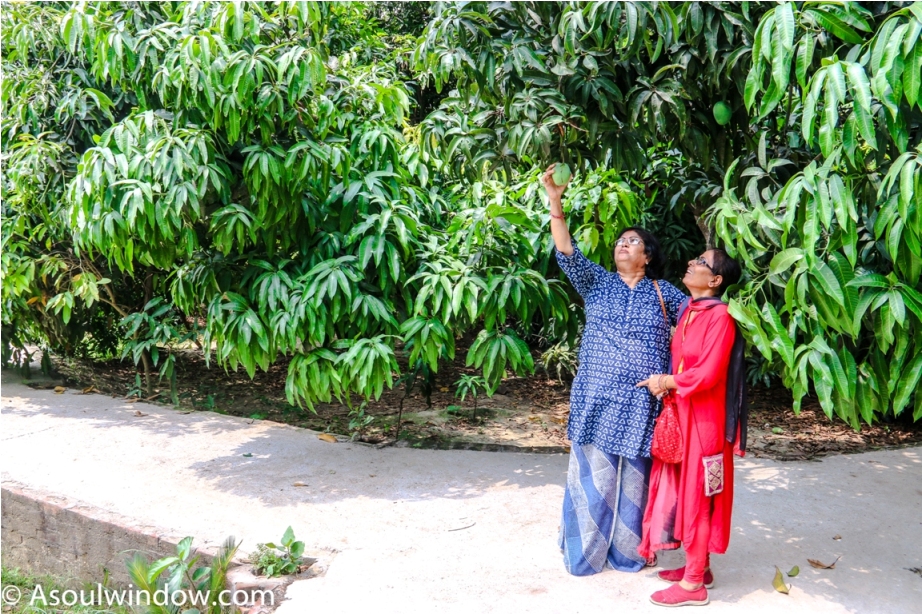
{"x":244,"y":177}
{"x":791,"y":131}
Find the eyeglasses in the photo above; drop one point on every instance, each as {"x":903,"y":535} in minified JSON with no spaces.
{"x":628,"y":241}
{"x":701,"y":261}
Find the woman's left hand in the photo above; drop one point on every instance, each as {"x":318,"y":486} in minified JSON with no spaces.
{"x":652,"y":384}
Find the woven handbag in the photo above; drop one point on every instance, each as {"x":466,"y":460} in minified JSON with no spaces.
{"x":667,"y":436}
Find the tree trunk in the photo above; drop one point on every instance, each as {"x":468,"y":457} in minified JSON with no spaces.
{"x":706,"y":231}
{"x":148,"y":385}
{"x":145,"y":356}
{"x":399,"y":418}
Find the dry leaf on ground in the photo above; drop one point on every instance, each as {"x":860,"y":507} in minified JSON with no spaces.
{"x":299,"y":484}
{"x":326,"y":437}
{"x":837,"y":537}
{"x":139,"y":413}
{"x":59,"y":389}
{"x":778,"y":582}
{"x":88,"y":390}
{"x":821,"y":565}
{"x":462,"y":528}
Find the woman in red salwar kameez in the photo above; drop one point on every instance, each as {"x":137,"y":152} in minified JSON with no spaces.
{"x":711,"y":421}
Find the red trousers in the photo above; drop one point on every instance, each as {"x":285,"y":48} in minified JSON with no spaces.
{"x":697,"y":558}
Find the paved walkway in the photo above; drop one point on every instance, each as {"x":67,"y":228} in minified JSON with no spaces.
{"x":450,"y":531}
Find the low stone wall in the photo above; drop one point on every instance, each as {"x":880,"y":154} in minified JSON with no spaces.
{"x":44,"y":534}
{"x":83,"y":545}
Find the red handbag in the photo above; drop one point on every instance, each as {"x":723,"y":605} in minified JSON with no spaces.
{"x":667,"y":436}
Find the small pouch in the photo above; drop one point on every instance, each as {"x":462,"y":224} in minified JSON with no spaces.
{"x":713,"y":474}
{"x":667,"y":434}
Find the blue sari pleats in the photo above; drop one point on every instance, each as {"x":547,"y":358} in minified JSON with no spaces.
{"x":603,"y":511}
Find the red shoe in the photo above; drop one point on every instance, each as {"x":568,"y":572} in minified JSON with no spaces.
{"x":675,"y":575}
{"x":675,"y":596}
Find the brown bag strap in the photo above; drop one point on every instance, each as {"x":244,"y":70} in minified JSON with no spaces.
{"x":662,"y":303}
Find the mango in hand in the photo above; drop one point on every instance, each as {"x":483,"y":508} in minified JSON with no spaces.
{"x":561,"y":174}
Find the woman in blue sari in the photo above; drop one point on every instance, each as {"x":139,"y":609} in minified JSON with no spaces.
{"x":628,"y":319}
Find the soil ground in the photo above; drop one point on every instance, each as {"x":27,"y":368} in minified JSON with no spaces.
{"x":526,"y":413}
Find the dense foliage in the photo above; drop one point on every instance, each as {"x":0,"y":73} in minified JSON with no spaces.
{"x":817,"y":170}
{"x":835,"y":249}
{"x":297,"y":179}
{"x":215,"y":173}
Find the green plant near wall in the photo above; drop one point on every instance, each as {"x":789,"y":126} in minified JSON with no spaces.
{"x":182,"y":573}
{"x":282,"y":560}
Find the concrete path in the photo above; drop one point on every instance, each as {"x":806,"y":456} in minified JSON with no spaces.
{"x":437,"y":531}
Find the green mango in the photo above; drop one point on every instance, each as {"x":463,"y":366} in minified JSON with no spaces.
{"x":722,"y":113}
{"x":561,"y":174}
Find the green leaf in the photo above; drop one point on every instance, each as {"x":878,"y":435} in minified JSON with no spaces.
{"x":912,"y":77}
{"x":907,"y":183}
{"x":860,"y":86}
{"x":784,"y":20}
{"x":835,"y":26}
{"x":778,"y":583}
{"x":908,"y":384}
{"x":822,"y":381}
{"x":288,"y":537}
{"x":752,"y":88}
{"x":870,"y":280}
{"x":827,"y":280}
{"x":816,"y":86}
{"x":783,"y":260}
{"x":804,"y":59}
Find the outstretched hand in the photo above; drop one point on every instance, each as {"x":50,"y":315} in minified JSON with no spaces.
{"x":554,"y":191}
{"x":652,"y":384}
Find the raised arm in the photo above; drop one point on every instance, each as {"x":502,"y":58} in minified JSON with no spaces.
{"x":559,"y":228}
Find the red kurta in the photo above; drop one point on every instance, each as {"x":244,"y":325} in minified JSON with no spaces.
{"x":701,"y":351}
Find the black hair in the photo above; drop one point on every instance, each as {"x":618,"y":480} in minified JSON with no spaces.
{"x":728,"y":268}
{"x":651,"y":247}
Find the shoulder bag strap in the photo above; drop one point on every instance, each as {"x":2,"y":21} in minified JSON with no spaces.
{"x":662,"y":303}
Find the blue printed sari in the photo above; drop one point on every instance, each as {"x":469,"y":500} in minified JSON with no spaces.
{"x":603,"y":510}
